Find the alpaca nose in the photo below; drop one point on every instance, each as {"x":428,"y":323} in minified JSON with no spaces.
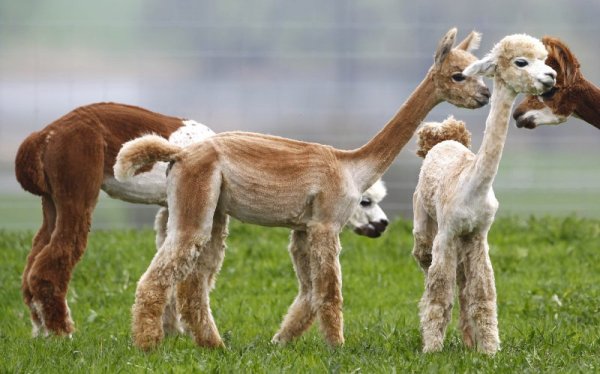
{"x":384,"y":222}
{"x":551,"y":74}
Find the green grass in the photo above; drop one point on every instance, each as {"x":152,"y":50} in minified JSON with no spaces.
{"x":537,"y":261}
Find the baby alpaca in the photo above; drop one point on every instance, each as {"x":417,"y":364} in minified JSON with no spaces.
{"x":454,"y":204}
{"x":272,"y":181}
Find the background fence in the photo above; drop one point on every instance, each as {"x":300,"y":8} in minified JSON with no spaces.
{"x":326,"y":71}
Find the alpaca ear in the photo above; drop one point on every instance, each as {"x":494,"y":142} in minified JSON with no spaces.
{"x":485,"y":66}
{"x":471,"y":42}
{"x":567,"y":62}
{"x":445,"y":46}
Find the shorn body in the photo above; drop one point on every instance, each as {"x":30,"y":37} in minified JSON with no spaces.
{"x":454,"y":204}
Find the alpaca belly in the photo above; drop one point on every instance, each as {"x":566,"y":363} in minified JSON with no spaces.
{"x":144,"y":188}
{"x":269,"y":207}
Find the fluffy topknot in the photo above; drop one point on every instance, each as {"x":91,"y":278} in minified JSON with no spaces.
{"x":432,"y":133}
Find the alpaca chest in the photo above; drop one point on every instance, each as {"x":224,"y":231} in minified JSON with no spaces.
{"x":473,"y":214}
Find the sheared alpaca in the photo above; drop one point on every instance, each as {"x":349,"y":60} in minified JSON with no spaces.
{"x":573,"y":95}
{"x":454,"y":204}
{"x":82,"y":145}
{"x":272,"y":181}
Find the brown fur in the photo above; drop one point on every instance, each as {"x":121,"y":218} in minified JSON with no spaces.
{"x":65,"y":163}
{"x":267,"y":180}
{"x":432,"y":133}
{"x":572,"y":94}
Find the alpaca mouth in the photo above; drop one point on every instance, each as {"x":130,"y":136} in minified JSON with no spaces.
{"x":527,"y":123}
{"x":371,"y":230}
{"x":482,"y":102}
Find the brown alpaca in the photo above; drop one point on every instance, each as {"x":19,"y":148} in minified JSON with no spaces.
{"x":67,"y":163}
{"x":272,"y":181}
{"x":572,"y":95}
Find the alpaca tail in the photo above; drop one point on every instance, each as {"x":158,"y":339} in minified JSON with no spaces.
{"x":29,"y":167}
{"x":138,"y":155}
{"x":432,"y":133}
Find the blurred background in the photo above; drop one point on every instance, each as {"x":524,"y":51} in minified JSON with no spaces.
{"x":328,"y":71}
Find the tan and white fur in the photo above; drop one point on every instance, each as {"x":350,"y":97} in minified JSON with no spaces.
{"x":454,"y":204}
{"x":272,"y":181}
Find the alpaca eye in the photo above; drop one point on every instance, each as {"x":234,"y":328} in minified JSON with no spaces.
{"x":521,"y":63}
{"x":458,"y":77}
{"x":365,"y":202}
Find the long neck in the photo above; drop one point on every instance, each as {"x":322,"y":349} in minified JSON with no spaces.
{"x":374,"y":158}
{"x":488,"y":157}
{"x":588,"y":103}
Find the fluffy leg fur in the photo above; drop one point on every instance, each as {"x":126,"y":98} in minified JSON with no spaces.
{"x":424,"y":231}
{"x":301,"y":313}
{"x":193,"y":293}
{"x":50,"y":270}
{"x":481,"y":291}
{"x":326,"y":277}
{"x":189,"y":228}
{"x":465,"y":324}
{"x":171,"y":320}
{"x":41,"y":239}
{"x":436,"y":304}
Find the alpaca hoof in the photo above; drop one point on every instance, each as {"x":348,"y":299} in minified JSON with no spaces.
{"x":335,"y":341}
{"x":146,"y":336}
{"x":433,"y":347}
{"x":146,"y":342}
{"x":212,"y":343}
{"x":489,"y":349}
{"x":279,"y":340}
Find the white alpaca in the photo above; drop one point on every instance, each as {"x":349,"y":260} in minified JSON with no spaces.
{"x":454,"y":204}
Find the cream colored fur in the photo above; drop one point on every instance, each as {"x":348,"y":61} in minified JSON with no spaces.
{"x":454,"y":204}
{"x":272,"y":181}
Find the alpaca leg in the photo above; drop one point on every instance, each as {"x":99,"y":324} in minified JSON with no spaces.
{"x":301,"y":314}
{"x":193,"y":292}
{"x":436,"y":304}
{"x":191,"y":210}
{"x":74,"y":172}
{"x":51,"y":271}
{"x":324,"y":244}
{"x":464,"y":321}
{"x":481,"y":291}
{"x":41,"y":239}
{"x":424,"y":230}
{"x":171,"y":321}
{"x":160,"y":226}
{"x":172,"y":263}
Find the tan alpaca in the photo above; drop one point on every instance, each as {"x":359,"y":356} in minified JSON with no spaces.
{"x":272,"y":181}
{"x":454,"y":204}
{"x":573,"y":95}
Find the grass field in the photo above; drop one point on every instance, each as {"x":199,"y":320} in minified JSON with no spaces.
{"x":547,"y":277}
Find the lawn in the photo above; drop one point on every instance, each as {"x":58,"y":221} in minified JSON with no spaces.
{"x":547,"y":276}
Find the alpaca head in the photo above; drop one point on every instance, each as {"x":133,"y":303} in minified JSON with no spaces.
{"x":556,"y":105}
{"x":451,"y":85}
{"x":368,"y":218}
{"x":517,"y":61}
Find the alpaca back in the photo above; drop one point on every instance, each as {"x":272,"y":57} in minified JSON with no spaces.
{"x":432,"y":133}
